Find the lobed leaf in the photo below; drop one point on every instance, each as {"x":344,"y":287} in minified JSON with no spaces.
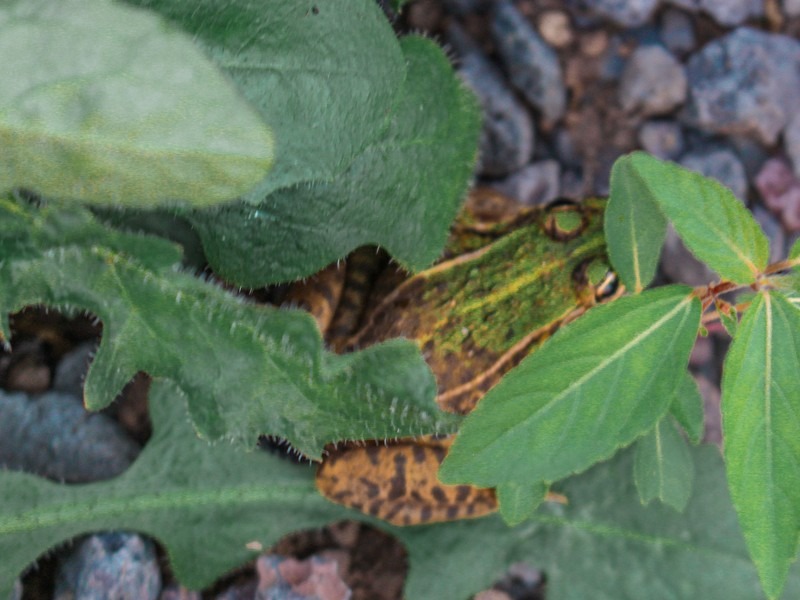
{"x":687,"y":408}
{"x":401,"y":192}
{"x":106,"y":104}
{"x":246,"y":369}
{"x":634,"y":227}
{"x":714,"y":225}
{"x":595,"y":386}
{"x":663,"y":467}
{"x":761,"y":418}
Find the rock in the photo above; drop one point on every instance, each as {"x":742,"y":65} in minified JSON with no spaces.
{"x":536,"y":184}
{"x":291,"y":579}
{"x":680,"y":265}
{"x":732,"y":12}
{"x":465,"y":7}
{"x":118,"y":565}
{"x":746,"y":82}
{"x":791,"y":8}
{"x":566,"y":149}
{"x":572,"y":185}
{"x":532,"y":65}
{"x":555,"y":28}
{"x":627,"y":13}
{"x":71,"y":369}
{"x":178,"y":592}
{"x":791,"y":141}
{"x":780,"y":190}
{"x":54,"y":436}
{"x":677,"y":32}
{"x":721,"y":164}
{"x":653,"y":82}
{"x":508,"y":134}
{"x":663,"y":139}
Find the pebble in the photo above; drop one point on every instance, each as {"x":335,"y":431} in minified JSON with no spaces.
{"x":72,"y":367}
{"x":533,"y":185}
{"x":118,"y":565}
{"x":779,"y":187}
{"x":653,"y":82}
{"x":680,"y":265}
{"x":508,"y":134}
{"x":291,"y":579}
{"x":662,"y":139}
{"x":723,"y":96}
{"x":732,"y":12}
{"x":531,"y":64}
{"x":54,"y":436}
{"x":720,"y":163}
{"x":555,"y":28}
{"x":627,"y":13}
{"x":677,"y":32}
{"x":791,"y":8}
{"x":791,"y":141}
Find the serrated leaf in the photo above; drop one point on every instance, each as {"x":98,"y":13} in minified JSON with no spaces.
{"x":323,"y":75}
{"x":760,"y":419}
{"x":519,"y":501}
{"x":714,"y":225}
{"x":663,"y":467}
{"x":401,"y":193}
{"x":106,"y":104}
{"x":246,"y":369}
{"x":635,"y":229}
{"x":687,"y":408}
{"x":595,"y":386}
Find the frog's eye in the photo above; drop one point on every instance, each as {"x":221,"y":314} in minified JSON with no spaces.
{"x":596,"y":281}
{"x":565,"y":220}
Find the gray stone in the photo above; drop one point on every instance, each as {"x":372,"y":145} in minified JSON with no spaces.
{"x":746,"y":82}
{"x":115,"y":565}
{"x":779,"y":187}
{"x":680,"y":265}
{"x":532,"y":65}
{"x":791,"y":8}
{"x":71,"y":369}
{"x":508,"y":134}
{"x":677,"y":32}
{"x":627,"y":13}
{"x":719,"y":163}
{"x":54,"y":436}
{"x":535,"y":184}
{"x":291,"y":579}
{"x":572,"y":185}
{"x":791,"y":141}
{"x":663,"y":139}
{"x":653,"y":82}
{"x":732,"y":12}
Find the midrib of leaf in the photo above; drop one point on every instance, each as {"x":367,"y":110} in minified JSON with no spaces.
{"x":767,"y":381}
{"x":143,"y":503}
{"x":660,"y":454}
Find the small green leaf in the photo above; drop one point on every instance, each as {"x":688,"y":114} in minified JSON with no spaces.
{"x":761,"y":418}
{"x":107,"y":104}
{"x":794,"y":252}
{"x":401,"y":193}
{"x":729,"y":318}
{"x":713,"y":224}
{"x":663,"y":467}
{"x":635,"y":229}
{"x":519,"y":501}
{"x":595,"y":386}
{"x":687,"y":408}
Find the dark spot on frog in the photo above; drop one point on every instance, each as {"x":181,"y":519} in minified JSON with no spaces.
{"x":425,"y":514}
{"x":397,"y":484}
{"x":373,"y":454}
{"x":462,"y":493}
{"x":371,"y":489}
{"x":374,"y":508}
{"x":452,"y":511}
{"x":419,"y":454}
{"x":438,"y":494}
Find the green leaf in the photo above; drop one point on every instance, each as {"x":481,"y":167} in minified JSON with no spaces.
{"x":663,"y":467}
{"x":714,"y":225}
{"x":794,"y":252}
{"x":519,"y":501}
{"x":761,"y":418}
{"x":246,"y":369}
{"x":401,"y":193}
{"x":635,"y":229}
{"x":595,"y":386}
{"x":323,"y":75}
{"x":106,"y":104}
{"x":687,"y":408}
{"x":729,"y":320}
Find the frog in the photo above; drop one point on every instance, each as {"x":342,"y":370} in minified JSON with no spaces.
{"x":508,"y":278}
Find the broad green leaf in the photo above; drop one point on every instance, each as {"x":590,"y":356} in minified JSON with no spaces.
{"x":595,"y":386}
{"x":107,"y":104}
{"x":184,"y":492}
{"x":635,"y":229}
{"x":663,"y":467}
{"x":714,"y":225}
{"x":246,"y":369}
{"x":687,"y":407}
{"x":401,"y":193}
{"x":760,"y":419}
{"x":519,"y":501}
{"x":323,"y":75}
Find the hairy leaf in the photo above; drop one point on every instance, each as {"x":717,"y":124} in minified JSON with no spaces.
{"x":713,"y":224}
{"x":635,"y":229}
{"x":662,"y":466}
{"x":595,"y":386}
{"x":106,"y":104}
{"x":246,"y":369}
{"x":183,"y":492}
{"x":687,"y":408}
{"x":761,"y":418}
{"x":402,"y":192}
{"x":519,"y":501}
{"x":323,"y":75}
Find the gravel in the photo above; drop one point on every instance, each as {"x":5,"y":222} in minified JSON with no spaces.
{"x":535,"y":184}
{"x":663,"y":139}
{"x":719,"y":163}
{"x":653,"y":82}
{"x":627,"y":13}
